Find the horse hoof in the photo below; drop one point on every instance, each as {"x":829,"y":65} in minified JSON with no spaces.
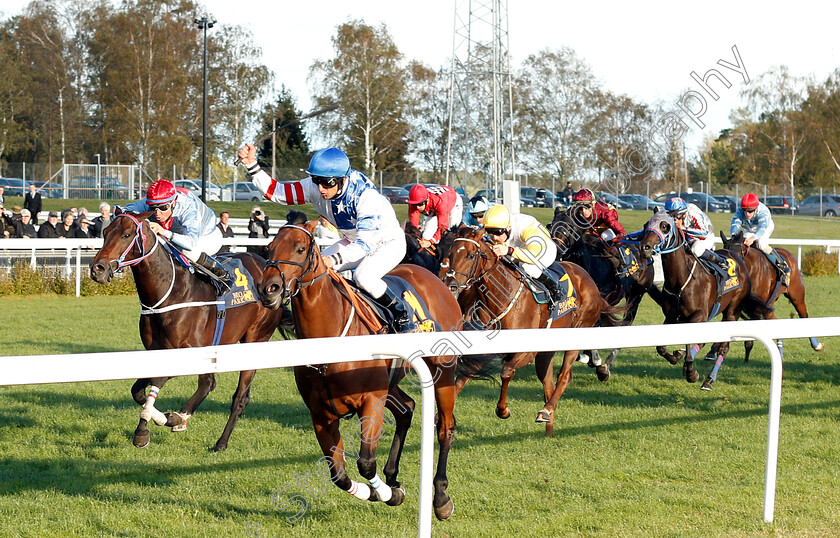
{"x":141,"y":439}
{"x":503,"y":413}
{"x":707,"y":384}
{"x":692,"y":376}
{"x":710,"y":357}
{"x":544,"y":415}
{"x":819,"y":347}
{"x":445,"y":512}
{"x":678,"y":355}
{"x":219,"y":448}
{"x":177,"y":421}
{"x":584,"y":358}
{"x":397,"y":497}
{"x":603,"y":373}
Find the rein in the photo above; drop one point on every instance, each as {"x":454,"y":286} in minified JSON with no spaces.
{"x":306,"y":267}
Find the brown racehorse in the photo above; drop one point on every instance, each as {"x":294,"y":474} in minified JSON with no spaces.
{"x":297,"y":272}
{"x":690,"y":293}
{"x":501,"y":299}
{"x":766,"y":287}
{"x":129,"y":242}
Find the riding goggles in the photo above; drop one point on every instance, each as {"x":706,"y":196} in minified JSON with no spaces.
{"x":585,"y":205}
{"x":328,"y":182}
{"x":478,"y":215}
{"x":161,"y":207}
{"x":496,"y":231}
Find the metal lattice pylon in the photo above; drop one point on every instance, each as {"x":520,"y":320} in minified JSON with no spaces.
{"x":480,"y":145}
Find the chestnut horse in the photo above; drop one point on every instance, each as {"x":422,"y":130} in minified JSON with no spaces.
{"x":766,"y":286}
{"x":321,"y":309}
{"x":183,"y":314}
{"x":690,"y":293}
{"x":501,"y":299}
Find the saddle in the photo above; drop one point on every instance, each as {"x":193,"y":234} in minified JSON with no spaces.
{"x":563,"y":302}
{"x":379,"y":319}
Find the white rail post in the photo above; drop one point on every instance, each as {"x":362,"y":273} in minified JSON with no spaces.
{"x":774,"y":410}
{"x":79,"y":272}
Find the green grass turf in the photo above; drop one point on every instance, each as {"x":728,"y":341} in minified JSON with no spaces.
{"x":645,"y":454}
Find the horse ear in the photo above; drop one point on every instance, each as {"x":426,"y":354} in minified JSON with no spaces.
{"x":118,"y":210}
{"x":310,"y":226}
{"x":722,"y":237}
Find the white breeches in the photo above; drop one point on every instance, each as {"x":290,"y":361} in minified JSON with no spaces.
{"x":208,"y":244}
{"x":699,"y":246}
{"x":763,"y":243}
{"x":430,"y":225}
{"x":547,"y":255}
{"x":368,"y":271}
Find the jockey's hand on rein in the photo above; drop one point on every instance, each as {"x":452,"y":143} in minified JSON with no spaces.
{"x":156,"y":228}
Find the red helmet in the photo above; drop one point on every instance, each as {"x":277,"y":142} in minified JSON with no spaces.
{"x":584,"y":195}
{"x":418,"y":194}
{"x":160,"y":192}
{"x":749,"y":201}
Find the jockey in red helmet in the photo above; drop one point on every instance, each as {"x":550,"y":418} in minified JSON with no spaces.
{"x":181,"y":217}
{"x":443,"y":206}
{"x":602,"y":220}
{"x":754,"y":219}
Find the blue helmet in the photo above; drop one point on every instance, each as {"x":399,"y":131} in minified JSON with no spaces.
{"x":329,"y":162}
{"x":478,"y":205}
{"x":676,"y":206}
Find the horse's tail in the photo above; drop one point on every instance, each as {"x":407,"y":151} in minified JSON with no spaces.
{"x":756,"y":307}
{"x":485,"y":367}
{"x":613,"y":316}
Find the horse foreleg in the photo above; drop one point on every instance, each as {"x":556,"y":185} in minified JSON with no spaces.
{"x":402,"y":408}
{"x":241,"y":397}
{"x":141,"y":433}
{"x":544,"y":364}
{"x":138,"y":390}
{"x":509,"y":368}
{"x":564,"y":377}
{"x":332,"y":446}
{"x":178,"y":421}
{"x":370,"y":431}
{"x":445,"y":398}
{"x":712,"y":377}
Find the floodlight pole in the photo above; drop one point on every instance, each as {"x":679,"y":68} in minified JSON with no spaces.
{"x":203,"y":24}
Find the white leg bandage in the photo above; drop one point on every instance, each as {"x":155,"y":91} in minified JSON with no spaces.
{"x":149,"y":412}
{"x":382,"y":490}
{"x":360,"y":491}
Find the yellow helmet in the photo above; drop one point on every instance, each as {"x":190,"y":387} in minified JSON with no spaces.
{"x":497,"y":216}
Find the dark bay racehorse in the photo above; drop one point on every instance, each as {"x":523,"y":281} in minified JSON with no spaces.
{"x":578,"y":244}
{"x":427,"y":257}
{"x":766,"y":286}
{"x":690,"y":292}
{"x":500,"y":298}
{"x":180,"y":311}
{"x":321,"y":309}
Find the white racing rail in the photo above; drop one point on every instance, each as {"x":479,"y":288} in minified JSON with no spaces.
{"x":232,"y":358}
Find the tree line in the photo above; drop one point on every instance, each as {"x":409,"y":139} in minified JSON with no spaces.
{"x":124,"y":80}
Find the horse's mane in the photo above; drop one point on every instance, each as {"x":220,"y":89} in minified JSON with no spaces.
{"x":296,"y":217}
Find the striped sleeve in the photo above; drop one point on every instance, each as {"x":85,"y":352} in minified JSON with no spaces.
{"x":289,"y":193}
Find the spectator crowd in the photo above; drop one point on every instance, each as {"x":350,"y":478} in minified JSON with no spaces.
{"x":73,"y":223}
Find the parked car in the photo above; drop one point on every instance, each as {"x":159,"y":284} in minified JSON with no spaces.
{"x":612,"y":200}
{"x":395,"y":195}
{"x":49,"y":189}
{"x":700,"y":199}
{"x":780,"y":205}
{"x":214,"y":192}
{"x":733,"y":201}
{"x":827,"y":205}
{"x":13,"y":186}
{"x":528,"y":196}
{"x":245,"y":191}
{"x":640,"y":202}
{"x":101,"y":188}
{"x":544,"y":198}
{"x":489,"y":194}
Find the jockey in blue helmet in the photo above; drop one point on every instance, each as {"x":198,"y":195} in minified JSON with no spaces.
{"x":373,"y":242}
{"x":699,"y":232}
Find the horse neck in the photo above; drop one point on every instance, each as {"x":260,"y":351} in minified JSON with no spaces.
{"x":320,"y":307}
{"x":676,"y":266}
{"x":497,"y":285}
{"x":154,"y":276}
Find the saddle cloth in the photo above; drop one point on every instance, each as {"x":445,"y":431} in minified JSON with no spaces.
{"x":412,"y":300}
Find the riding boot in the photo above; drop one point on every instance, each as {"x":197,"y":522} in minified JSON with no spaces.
{"x":781,"y":266}
{"x":549,"y":280}
{"x":713,"y":257}
{"x":395,"y":305}
{"x":209,"y":263}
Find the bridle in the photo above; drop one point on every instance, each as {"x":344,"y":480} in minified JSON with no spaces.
{"x":307,"y":266}
{"x":470,"y":277}
{"x":139,"y":240}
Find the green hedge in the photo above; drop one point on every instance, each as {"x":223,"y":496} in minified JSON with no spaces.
{"x":24,"y":280}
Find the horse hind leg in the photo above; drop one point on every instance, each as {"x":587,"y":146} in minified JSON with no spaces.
{"x":712,"y":377}
{"x":241,"y":398}
{"x":445,"y":398}
{"x":564,"y":377}
{"x":796,"y":296}
{"x":141,"y":433}
{"x":402,"y":408}
{"x":370,"y":430}
{"x":544,"y":364}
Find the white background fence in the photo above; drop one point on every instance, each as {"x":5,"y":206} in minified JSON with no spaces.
{"x":232,"y":358}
